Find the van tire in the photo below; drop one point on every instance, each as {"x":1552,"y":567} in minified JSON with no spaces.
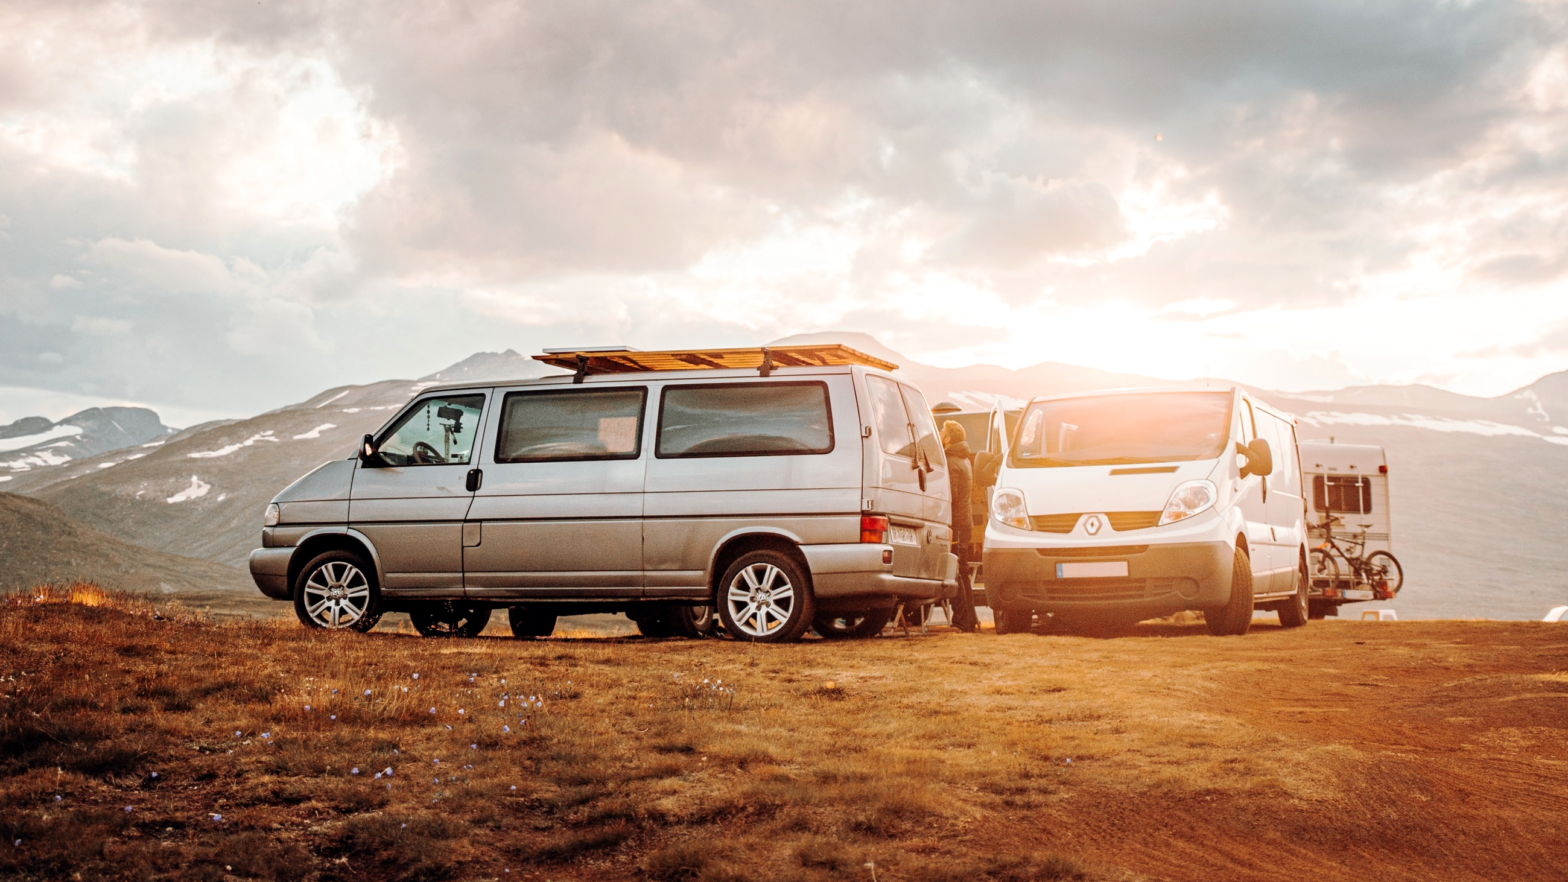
{"x":1295,"y":612}
{"x":448,"y":618}
{"x":674,"y":620}
{"x":336,"y":571}
{"x":851,"y":625}
{"x":1235,"y":617}
{"x":761,"y":577}
{"x":1013,"y":621}
{"x":528,"y":624}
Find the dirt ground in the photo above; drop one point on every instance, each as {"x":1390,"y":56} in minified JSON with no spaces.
{"x":137,"y":747}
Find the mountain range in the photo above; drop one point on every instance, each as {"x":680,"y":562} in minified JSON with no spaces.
{"x":1478,"y":485}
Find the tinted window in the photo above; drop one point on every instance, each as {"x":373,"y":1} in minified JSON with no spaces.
{"x":892,"y":420}
{"x":1342,"y":494}
{"x":925,"y":426}
{"x":745,"y":419}
{"x":571,"y":424}
{"x":438,"y":431}
{"x":1124,"y":429}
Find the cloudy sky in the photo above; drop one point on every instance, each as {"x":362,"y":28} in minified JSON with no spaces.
{"x":218,"y":208}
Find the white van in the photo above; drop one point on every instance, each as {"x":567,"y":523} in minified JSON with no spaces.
{"x":1120,"y":506}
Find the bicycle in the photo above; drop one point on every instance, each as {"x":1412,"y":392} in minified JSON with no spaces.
{"x":1380,"y":571}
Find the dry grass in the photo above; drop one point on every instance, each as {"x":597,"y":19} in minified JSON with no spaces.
{"x":141,"y":744}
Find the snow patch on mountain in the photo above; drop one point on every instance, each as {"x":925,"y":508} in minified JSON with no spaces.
{"x":1418,"y":421}
{"x":196,"y":490}
{"x":51,"y":434}
{"x":230,"y":448}
{"x":315,"y":433}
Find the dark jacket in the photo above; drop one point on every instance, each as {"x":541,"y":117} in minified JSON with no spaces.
{"x":960,"y":475}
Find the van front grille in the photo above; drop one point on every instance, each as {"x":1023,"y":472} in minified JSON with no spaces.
{"x":1120,"y":521}
{"x":1132,"y":520}
{"x":1057,"y":523}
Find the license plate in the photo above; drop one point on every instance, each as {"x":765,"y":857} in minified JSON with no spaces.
{"x":1110,"y":569}
{"x":1356,"y":595}
{"x":903,"y":535}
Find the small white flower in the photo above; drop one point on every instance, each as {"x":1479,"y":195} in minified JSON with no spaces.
{"x":367,"y":691}
{"x":416,"y":677}
{"x":354,"y":771}
{"x":217,"y":817}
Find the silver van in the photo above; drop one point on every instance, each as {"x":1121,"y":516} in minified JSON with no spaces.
{"x":784,"y":489}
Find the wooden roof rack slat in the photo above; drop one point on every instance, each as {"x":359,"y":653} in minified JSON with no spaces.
{"x":586,"y":362}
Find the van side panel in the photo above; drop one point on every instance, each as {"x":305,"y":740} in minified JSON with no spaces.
{"x":693,"y":503}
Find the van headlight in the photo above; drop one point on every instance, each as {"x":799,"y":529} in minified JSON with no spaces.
{"x":1008,"y":507}
{"x":270,"y":519}
{"x":1187,"y":500}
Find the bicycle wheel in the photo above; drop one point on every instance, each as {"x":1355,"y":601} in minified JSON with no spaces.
{"x":1384,"y":568}
{"x":1323,"y":568}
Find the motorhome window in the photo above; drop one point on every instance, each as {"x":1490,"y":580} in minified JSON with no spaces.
{"x":925,"y":426}
{"x":1123,"y":429}
{"x":745,"y":419}
{"x":438,"y":431}
{"x":894,"y":432}
{"x":1342,"y":494}
{"x":571,"y":424}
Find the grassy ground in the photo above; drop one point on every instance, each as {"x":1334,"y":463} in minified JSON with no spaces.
{"x":135,"y":746}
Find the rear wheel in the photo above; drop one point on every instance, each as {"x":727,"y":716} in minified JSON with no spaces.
{"x":1384,"y":568}
{"x":1235,"y":617}
{"x":447,"y":618}
{"x":1294,"y":612}
{"x":851,"y":625}
{"x":530,"y":623}
{"x":337,"y":591}
{"x":764,"y":598}
{"x":674,"y":620}
{"x":1013,"y":621}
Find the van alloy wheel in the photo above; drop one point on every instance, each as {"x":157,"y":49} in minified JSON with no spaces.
{"x":764,"y":598}
{"x":335,"y":591}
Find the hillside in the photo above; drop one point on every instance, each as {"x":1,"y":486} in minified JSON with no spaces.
{"x":33,"y":445}
{"x":40,"y":544}
{"x":178,"y":750}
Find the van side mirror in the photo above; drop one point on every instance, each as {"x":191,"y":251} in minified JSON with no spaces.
{"x":367,"y":450}
{"x":1260,"y":459}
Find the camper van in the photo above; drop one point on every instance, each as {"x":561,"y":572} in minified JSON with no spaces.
{"x":1347,"y":501}
{"x":783,"y":489}
{"x":1115,"y":507}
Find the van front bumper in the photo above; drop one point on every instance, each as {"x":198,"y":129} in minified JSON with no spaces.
{"x":1161,"y":579}
{"x":857,"y":571}
{"x":270,"y":568}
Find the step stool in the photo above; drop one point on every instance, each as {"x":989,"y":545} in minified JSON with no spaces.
{"x":1379,"y":615}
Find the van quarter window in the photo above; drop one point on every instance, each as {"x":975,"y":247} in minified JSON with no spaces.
{"x":1121,"y":429}
{"x":894,"y":431}
{"x":745,"y":419}
{"x":571,"y":424}
{"x":438,"y":431}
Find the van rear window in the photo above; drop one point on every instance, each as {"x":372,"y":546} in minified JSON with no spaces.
{"x":571,"y":424}
{"x":745,"y":419}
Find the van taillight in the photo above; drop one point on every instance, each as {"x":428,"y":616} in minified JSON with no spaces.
{"x":873,"y":529}
{"x":1382,"y":469}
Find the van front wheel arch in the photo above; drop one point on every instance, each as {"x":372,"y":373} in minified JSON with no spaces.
{"x":765,"y":597}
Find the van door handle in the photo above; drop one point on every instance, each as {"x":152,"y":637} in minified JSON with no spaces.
{"x":476,"y":478}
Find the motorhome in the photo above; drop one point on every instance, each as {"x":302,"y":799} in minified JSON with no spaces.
{"x":1115,"y":507}
{"x":1347,"y":500}
{"x":786,"y":488}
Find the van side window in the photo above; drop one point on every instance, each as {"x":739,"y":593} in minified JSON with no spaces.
{"x":892,"y":420}
{"x":745,"y":419}
{"x":1249,"y":425}
{"x":925,"y":426}
{"x":438,"y":431}
{"x":571,"y":424}
{"x":1279,"y":438}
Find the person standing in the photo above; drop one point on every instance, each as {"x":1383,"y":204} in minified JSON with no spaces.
{"x":960,"y":474}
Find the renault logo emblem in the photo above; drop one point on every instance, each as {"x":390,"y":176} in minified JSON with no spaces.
{"x":1092,"y":524}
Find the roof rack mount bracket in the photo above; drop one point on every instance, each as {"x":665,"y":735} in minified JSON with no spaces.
{"x":766,"y":368}
{"x":582,"y":369}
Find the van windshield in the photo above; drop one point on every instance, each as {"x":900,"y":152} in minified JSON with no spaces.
{"x":1121,"y":429}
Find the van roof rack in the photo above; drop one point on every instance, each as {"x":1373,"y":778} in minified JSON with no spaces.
{"x":763,"y":359}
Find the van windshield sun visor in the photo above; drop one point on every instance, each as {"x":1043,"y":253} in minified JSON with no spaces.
{"x":1119,"y":430}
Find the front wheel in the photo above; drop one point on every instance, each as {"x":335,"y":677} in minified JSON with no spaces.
{"x":448,"y":618}
{"x":1235,"y":617}
{"x":337,"y":591}
{"x":851,"y":625}
{"x":1385,"y":574}
{"x":1013,"y":621}
{"x":764,"y":598}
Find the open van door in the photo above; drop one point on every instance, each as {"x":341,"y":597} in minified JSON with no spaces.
{"x":988,"y":462}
